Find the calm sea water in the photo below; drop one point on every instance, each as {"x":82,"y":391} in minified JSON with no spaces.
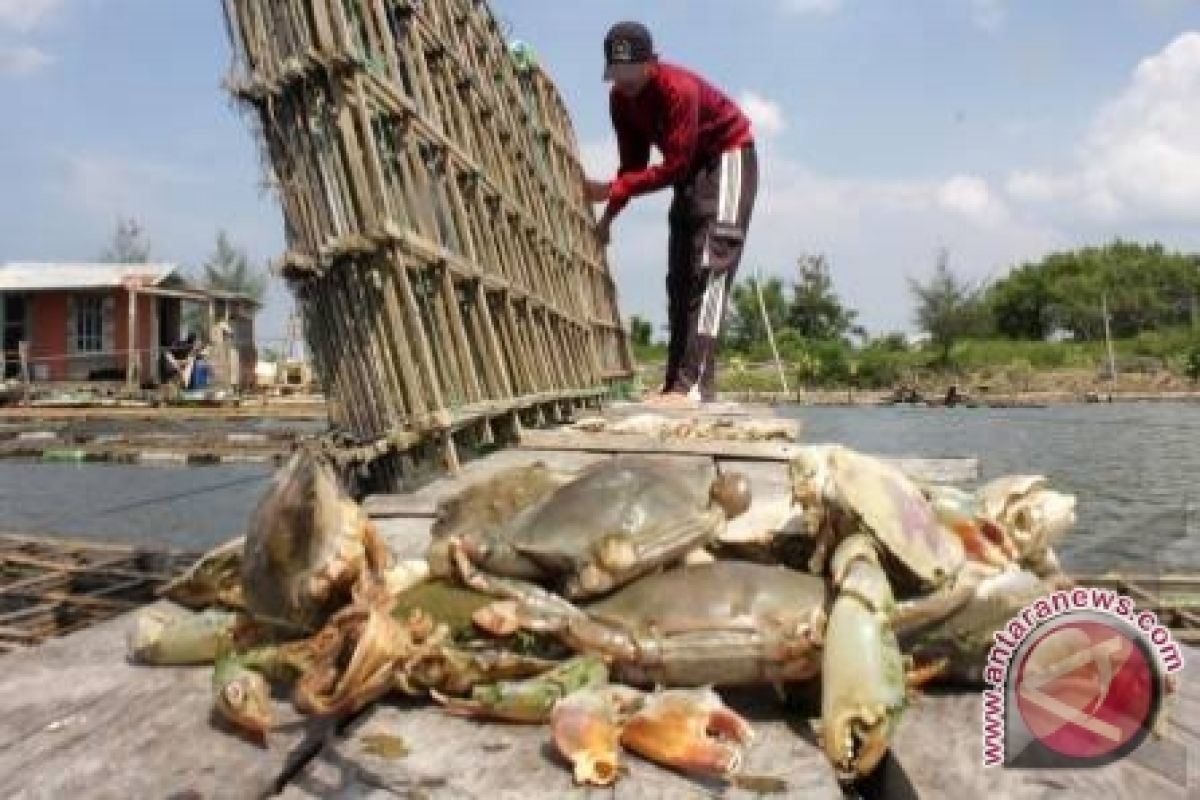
{"x":1133,"y":467}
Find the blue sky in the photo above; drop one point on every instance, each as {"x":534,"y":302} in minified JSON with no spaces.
{"x":999,"y":129}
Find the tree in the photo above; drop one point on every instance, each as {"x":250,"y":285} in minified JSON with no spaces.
{"x":640,"y":331}
{"x":948,"y":309}
{"x":228,"y":270}
{"x":1145,"y":286}
{"x":746,"y":329}
{"x":129,"y":244}
{"x":816,"y":312}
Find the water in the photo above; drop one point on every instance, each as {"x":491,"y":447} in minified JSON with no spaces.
{"x":1132,"y":466}
{"x":186,"y":508}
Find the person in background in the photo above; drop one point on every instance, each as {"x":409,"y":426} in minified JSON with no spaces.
{"x":708,"y":156}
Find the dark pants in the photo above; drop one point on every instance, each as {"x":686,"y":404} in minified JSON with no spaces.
{"x":708,"y":222}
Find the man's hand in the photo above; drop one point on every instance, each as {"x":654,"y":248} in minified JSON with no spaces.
{"x":596,"y":191}
{"x":604,"y":230}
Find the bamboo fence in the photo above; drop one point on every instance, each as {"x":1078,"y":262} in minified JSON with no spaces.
{"x":439,"y":242}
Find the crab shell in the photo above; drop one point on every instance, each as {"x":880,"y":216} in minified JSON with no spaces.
{"x":842,"y":491}
{"x":307,"y":545}
{"x":725,"y":623}
{"x":1034,"y":515}
{"x":482,"y":509}
{"x":616,"y":521}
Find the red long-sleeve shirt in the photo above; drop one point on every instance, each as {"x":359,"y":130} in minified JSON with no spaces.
{"x":687,"y":118}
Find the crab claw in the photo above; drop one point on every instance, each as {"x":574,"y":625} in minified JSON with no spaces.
{"x":242,"y":697}
{"x":586,"y":727}
{"x":862,"y":672}
{"x":689,"y":729}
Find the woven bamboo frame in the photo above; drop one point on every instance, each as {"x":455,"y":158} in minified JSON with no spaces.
{"x":439,"y":241}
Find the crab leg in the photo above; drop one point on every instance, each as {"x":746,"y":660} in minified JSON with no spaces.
{"x":177,"y":637}
{"x":728,"y":655}
{"x":862,"y":673}
{"x":530,"y":700}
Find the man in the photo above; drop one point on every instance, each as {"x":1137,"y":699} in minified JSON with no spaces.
{"x":708,"y":157}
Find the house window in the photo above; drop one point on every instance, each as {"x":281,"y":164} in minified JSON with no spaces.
{"x":89,"y":324}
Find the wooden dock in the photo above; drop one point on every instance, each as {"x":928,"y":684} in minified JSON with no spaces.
{"x":77,"y":720}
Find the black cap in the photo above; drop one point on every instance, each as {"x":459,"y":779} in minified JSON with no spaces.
{"x":627,"y":43}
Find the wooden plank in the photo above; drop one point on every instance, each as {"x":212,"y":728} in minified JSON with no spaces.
{"x":936,"y":754}
{"x":455,"y":758}
{"x":935,"y":470}
{"x":77,"y":720}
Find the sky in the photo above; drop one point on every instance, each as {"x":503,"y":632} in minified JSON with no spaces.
{"x":1000,"y":130}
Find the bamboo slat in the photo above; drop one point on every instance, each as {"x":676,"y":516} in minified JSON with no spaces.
{"x":438,"y":238}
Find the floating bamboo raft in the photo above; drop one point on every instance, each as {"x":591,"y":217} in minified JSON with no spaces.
{"x":439,"y":242}
{"x":1175,"y":599}
{"x":50,"y":587}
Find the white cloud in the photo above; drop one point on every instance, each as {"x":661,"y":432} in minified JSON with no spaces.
{"x":25,"y":15}
{"x":766,"y":115}
{"x":810,"y":6}
{"x":1140,"y":158}
{"x":970,"y":197}
{"x":22,"y":60}
{"x":988,"y":15}
{"x":599,"y":157}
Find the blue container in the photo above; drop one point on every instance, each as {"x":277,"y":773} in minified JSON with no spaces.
{"x":201,"y":375}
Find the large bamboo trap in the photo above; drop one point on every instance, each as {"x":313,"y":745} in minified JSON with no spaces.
{"x":438,"y":238}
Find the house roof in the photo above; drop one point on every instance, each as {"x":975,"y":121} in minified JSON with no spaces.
{"x":33,"y":276}
{"x":29,"y":276}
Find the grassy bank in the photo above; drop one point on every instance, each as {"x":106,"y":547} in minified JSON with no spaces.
{"x":1150,"y":363}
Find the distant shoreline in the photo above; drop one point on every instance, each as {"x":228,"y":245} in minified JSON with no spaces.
{"x":876,"y":398}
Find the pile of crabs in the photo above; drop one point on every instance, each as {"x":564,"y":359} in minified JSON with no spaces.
{"x":607,"y":603}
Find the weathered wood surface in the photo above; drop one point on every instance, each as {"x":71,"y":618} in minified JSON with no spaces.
{"x":934,"y":470}
{"x":456,"y":758}
{"x":936,"y":754}
{"x":77,"y":720}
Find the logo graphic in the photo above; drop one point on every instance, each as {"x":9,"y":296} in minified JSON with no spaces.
{"x":622,"y":50}
{"x":1087,"y":691}
{"x":1078,"y":679}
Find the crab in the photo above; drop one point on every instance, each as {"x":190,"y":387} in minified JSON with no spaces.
{"x":1036,"y":517}
{"x":310,"y":552}
{"x":414,"y":642}
{"x":308,"y":545}
{"x":618,"y":520}
{"x":215,"y":579}
{"x":955,"y":564}
{"x":735,"y":623}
